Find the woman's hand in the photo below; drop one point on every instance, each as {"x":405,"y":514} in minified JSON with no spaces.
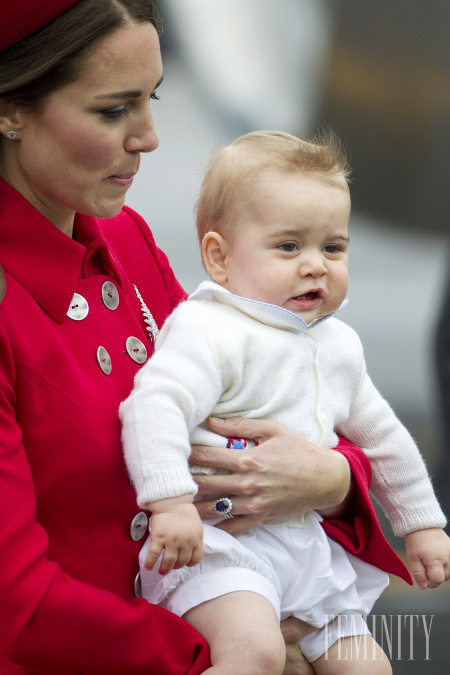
{"x":282,"y":476}
{"x":293,"y":629}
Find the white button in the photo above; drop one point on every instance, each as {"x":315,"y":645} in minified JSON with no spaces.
{"x":104,"y":360}
{"x":138,"y":526}
{"x":110,"y":295}
{"x":78,"y":308}
{"x":323,"y":417}
{"x":138,"y":586}
{"x":136,"y":350}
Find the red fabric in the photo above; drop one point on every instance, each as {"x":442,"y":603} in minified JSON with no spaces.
{"x":68,"y":561}
{"x":359,"y":531}
{"x":20,"y":18}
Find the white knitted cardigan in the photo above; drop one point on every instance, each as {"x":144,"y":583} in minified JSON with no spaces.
{"x":230,"y":356}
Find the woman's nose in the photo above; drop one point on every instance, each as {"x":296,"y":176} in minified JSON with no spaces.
{"x":143,"y":137}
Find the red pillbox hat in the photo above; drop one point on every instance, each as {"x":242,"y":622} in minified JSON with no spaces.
{"x":20,"y":18}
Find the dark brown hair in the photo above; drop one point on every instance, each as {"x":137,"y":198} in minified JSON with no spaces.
{"x":52,"y":56}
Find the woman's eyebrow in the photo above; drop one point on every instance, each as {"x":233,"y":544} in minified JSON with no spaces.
{"x":129,"y":93}
{"x":122,"y":94}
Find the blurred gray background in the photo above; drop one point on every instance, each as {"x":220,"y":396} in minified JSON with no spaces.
{"x":378,"y":73}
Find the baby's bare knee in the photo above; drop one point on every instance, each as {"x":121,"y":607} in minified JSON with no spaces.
{"x":265,"y":656}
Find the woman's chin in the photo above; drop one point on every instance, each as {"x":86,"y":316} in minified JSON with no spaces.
{"x":107,"y":209}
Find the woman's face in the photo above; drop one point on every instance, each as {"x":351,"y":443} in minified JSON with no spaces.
{"x":81,"y":149}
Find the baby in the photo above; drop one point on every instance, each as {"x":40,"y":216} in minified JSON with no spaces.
{"x":260,"y":340}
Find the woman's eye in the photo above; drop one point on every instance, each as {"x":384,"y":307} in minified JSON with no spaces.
{"x":114,"y":113}
{"x":289,"y":246}
{"x":154,"y":96}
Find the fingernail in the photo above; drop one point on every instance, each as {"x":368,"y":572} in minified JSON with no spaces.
{"x":217,"y":420}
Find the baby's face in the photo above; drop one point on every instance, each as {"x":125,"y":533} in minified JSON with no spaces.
{"x":290,"y":245}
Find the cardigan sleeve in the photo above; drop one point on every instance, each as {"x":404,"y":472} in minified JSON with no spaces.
{"x":173,"y":393}
{"x":52,"y":623}
{"x":400,"y":480}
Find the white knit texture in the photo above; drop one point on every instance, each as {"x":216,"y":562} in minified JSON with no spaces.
{"x":214,"y":359}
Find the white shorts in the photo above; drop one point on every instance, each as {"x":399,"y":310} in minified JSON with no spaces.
{"x":299,"y":570}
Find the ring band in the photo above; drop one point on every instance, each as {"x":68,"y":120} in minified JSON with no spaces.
{"x":223,"y":507}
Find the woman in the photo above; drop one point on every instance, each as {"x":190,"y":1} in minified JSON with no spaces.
{"x":86,"y":289}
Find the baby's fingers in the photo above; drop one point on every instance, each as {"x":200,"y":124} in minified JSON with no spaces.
{"x":153,"y":554}
{"x":419,"y":573}
{"x":197,"y":556}
{"x":169,"y":559}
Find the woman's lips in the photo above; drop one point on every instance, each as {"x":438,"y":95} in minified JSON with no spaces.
{"x":123,"y":180}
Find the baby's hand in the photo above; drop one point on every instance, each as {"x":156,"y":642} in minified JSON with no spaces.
{"x":177,"y":532}
{"x":428,"y":554}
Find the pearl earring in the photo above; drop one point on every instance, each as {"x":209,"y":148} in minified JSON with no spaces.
{"x":11,"y":135}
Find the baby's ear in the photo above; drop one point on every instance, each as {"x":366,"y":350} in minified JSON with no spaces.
{"x":215,"y":258}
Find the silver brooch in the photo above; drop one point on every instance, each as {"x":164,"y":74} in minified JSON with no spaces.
{"x":152,"y":327}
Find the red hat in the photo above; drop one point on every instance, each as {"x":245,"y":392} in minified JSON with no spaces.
{"x":20,"y":18}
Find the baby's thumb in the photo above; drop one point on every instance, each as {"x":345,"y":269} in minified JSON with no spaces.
{"x":435,"y":574}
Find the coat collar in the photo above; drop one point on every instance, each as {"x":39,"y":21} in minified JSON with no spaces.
{"x":272,"y":315}
{"x":44,"y":260}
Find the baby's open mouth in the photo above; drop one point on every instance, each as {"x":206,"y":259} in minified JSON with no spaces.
{"x":311,"y":295}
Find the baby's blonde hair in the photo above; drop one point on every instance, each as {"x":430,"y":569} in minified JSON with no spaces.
{"x":237,"y":166}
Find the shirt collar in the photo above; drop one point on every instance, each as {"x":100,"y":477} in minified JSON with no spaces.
{"x":272,"y":315}
{"x":44,"y":260}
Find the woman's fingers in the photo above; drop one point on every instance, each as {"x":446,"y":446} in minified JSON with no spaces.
{"x":244,"y":427}
{"x":240,"y":524}
{"x":219,"y":458}
{"x":228,"y":484}
{"x":244,"y":518}
{"x":294,"y":629}
{"x":207,"y":511}
{"x":236,"y":427}
{"x":296,"y":664}
{"x":282,"y":476}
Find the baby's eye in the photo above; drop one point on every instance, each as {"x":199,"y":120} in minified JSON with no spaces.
{"x":331,"y":248}
{"x":288,"y":246}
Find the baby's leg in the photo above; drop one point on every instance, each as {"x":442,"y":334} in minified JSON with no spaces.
{"x":243,"y":633}
{"x":354,"y":655}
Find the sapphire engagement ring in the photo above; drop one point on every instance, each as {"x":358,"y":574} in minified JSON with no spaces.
{"x":223,"y":507}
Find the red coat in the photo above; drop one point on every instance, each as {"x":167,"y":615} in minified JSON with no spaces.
{"x":359,"y":530}
{"x":68,"y":561}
